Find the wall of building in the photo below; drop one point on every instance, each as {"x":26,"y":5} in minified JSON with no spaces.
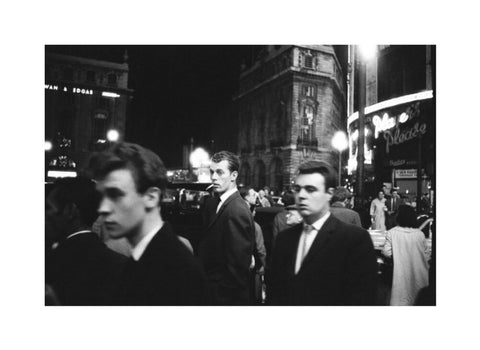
{"x":290,"y":103}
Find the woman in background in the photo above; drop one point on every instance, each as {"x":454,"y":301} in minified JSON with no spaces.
{"x":408,"y":248}
{"x":377,"y":212}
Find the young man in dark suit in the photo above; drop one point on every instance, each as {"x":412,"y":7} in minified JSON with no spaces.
{"x":227,"y":246}
{"x":322,"y":261}
{"x":162,"y":271}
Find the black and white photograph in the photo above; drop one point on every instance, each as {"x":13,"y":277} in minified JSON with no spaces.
{"x":141,"y":140}
{"x":217,"y":175}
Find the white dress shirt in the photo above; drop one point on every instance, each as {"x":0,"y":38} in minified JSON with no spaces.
{"x":224,"y":197}
{"x":138,"y":250}
{"x":306,"y":240}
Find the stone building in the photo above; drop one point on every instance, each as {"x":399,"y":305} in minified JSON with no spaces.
{"x":84,"y":99}
{"x":290,"y":103}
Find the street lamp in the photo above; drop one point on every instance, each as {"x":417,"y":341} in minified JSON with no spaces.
{"x":113,"y":135}
{"x":366,"y":53}
{"x":340,"y":143}
{"x":200,"y":160}
{"x":48,"y":146}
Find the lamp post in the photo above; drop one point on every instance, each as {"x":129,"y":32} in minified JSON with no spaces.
{"x":340,"y":143}
{"x":367,"y":52}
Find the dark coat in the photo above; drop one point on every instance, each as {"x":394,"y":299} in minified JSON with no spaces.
{"x":227,"y":247}
{"x":344,"y":214}
{"x":166,"y":274}
{"x":83,"y":271}
{"x":339,"y":269}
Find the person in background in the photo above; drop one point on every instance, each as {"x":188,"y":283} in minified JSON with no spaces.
{"x":162,"y":271}
{"x":264,"y":202}
{"x":252,"y":198}
{"x":228,"y":244}
{"x":268,"y":194}
{"x":322,"y":261}
{"x":259,"y":257}
{"x":80,"y":269}
{"x":407,"y":245}
{"x":286,"y":218}
{"x":393,"y":202}
{"x":340,"y":211}
{"x":377,"y":212}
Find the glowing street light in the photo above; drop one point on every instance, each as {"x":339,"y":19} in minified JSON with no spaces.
{"x":368,"y":52}
{"x":48,"y":146}
{"x":113,"y":135}
{"x":200,"y":160}
{"x":340,"y":143}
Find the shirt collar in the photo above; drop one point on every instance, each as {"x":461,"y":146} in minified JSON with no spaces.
{"x":139,"y":249}
{"x":227,"y":194}
{"x":317,"y":225}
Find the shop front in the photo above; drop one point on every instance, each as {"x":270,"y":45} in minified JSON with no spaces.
{"x":399,"y":147}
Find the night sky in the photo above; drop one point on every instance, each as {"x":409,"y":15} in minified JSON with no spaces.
{"x":179,"y":91}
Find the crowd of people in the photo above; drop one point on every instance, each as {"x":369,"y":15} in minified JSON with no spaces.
{"x":320,"y":253}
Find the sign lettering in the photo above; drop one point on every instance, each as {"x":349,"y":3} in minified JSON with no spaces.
{"x":397,"y":137}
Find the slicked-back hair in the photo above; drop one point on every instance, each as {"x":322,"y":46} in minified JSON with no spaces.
{"x":406,"y":216}
{"x":146,"y":167}
{"x":232,"y":159}
{"x":79,"y":191}
{"x":318,"y":167}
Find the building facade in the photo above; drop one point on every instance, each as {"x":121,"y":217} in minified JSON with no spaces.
{"x":400,"y":122}
{"x":290,"y":103}
{"x":84,"y":100}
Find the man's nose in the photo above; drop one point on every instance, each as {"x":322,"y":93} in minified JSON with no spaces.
{"x":213,"y":176}
{"x":104,"y":207}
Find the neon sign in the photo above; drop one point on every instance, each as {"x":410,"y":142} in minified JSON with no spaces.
{"x":397,"y":137}
{"x":75,"y":90}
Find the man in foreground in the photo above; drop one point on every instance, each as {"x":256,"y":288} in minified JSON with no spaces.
{"x":131,"y":180}
{"x":321,"y":261}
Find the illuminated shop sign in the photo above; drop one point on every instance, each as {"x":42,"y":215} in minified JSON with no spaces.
{"x":406,"y":173}
{"x":78,"y":90}
{"x":75,"y":90}
{"x":397,"y":136}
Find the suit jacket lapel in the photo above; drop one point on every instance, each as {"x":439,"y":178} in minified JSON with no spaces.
{"x":222,"y":208}
{"x":322,"y":238}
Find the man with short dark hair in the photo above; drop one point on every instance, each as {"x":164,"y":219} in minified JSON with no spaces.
{"x":79,"y":268}
{"x":229,"y":239}
{"x":322,"y":261}
{"x":340,"y":211}
{"x":131,"y":181}
{"x":392,"y":203}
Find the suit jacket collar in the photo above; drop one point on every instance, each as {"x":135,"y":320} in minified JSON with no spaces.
{"x":323,"y":236}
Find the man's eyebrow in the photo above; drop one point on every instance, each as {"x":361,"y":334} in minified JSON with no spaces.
{"x":113,"y":190}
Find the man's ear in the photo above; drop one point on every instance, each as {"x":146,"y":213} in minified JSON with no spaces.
{"x":330,"y":191}
{"x":152,"y":197}
{"x":234,"y":175}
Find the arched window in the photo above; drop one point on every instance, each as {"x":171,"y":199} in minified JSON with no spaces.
{"x":244,"y":177}
{"x":276,"y":175}
{"x":259,"y":175}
